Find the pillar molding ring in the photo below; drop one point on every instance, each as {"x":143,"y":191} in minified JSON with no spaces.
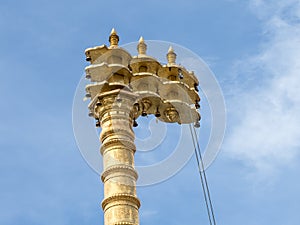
{"x":119,"y":168}
{"x":112,"y":145}
{"x":121,"y":197}
{"x":124,"y":223}
{"x":125,"y":133}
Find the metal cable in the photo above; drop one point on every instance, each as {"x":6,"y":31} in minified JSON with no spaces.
{"x":201,"y":177}
{"x":205,"y":179}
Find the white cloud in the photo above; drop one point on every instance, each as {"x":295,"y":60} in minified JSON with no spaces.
{"x":267,"y":134}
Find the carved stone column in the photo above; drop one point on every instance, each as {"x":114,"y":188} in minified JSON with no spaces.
{"x":120,"y":204}
{"x":124,"y":87}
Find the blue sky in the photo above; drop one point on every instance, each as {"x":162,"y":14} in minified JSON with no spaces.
{"x":252,"y":47}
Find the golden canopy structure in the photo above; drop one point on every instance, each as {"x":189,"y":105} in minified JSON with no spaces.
{"x":124,"y":87}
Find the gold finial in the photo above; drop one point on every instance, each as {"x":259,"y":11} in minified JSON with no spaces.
{"x":113,"y":31}
{"x":113,"y":39}
{"x":141,"y":39}
{"x":171,"y":56}
{"x":142,"y":47}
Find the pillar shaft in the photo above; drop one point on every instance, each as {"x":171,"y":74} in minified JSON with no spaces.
{"x":120,"y":204}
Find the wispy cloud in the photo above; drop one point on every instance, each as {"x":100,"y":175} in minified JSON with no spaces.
{"x":265,"y":131}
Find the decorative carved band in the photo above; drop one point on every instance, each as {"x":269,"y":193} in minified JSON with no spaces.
{"x":124,"y":223}
{"x":117,"y":143}
{"x":118,"y":112}
{"x":116,"y":131}
{"x":121,"y":197}
{"x":105,"y":118}
{"x":119,"y":168}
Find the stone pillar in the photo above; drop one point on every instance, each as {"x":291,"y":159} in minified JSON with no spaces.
{"x":115,"y":110}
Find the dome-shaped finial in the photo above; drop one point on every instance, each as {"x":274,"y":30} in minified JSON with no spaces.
{"x":113,"y":39}
{"x":171,"y":56}
{"x":142,"y":47}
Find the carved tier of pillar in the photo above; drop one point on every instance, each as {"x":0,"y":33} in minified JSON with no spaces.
{"x":120,"y":204}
